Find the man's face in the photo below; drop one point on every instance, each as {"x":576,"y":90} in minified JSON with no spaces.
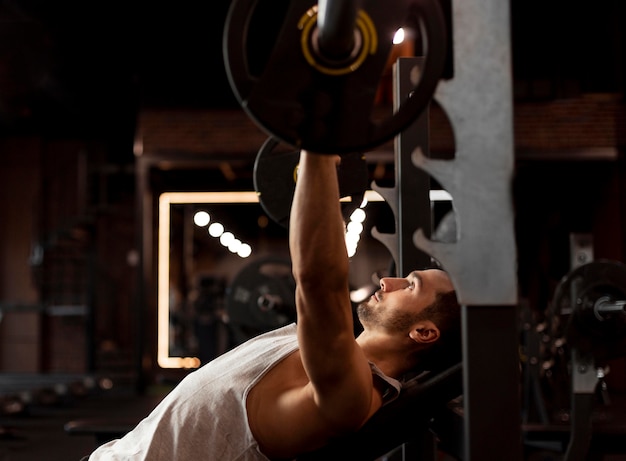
{"x":399,"y":301}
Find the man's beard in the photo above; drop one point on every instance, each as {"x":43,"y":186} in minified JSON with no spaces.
{"x":367,"y":314}
{"x":371,"y":315}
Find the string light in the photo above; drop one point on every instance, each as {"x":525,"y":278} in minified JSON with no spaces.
{"x":201,"y":218}
{"x":216,"y":229}
{"x":227,"y":239}
{"x":354,"y":228}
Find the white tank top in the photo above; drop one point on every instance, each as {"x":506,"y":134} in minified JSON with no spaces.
{"x":204,"y":417}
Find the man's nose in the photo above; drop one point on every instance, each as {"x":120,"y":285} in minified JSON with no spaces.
{"x":391,"y":283}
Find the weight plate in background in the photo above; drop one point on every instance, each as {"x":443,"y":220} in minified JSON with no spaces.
{"x":260,"y":298}
{"x":275,"y":176}
{"x":275,"y":171}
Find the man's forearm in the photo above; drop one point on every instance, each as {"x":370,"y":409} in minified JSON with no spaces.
{"x":316,"y":233}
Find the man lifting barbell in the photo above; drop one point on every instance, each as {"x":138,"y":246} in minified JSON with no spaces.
{"x":293,"y":390}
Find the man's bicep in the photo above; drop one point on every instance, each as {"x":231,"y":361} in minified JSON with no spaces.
{"x":325,"y":332}
{"x":336,"y":366}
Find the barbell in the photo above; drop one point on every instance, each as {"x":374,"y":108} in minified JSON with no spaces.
{"x":312,"y":98}
{"x":588,"y":311}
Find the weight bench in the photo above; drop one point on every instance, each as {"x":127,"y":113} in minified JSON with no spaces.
{"x":426,"y":404}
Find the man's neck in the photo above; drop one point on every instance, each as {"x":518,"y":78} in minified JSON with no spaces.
{"x":385,"y":352}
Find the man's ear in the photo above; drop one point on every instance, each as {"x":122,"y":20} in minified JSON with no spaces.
{"x":424,"y":332}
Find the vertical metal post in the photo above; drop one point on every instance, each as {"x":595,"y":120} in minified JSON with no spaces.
{"x":409,"y":199}
{"x":414,"y":208}
{"x":482,"y":262}
{"x":492,"y":427}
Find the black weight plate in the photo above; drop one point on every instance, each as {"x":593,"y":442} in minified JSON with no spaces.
{"x":260,"y":298}
{"x":275,"y":175}
{"x":571,"y":315}
{"x":274,"y":179}
{"x":304,"y":107}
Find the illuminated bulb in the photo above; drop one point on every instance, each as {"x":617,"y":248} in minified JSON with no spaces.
{"x":351,"y":248}
{"x":244,"y":250}
{"x":226,"y":238}
{"x":399,"y":36}
{"x":201,"y":218}
{"x":360,"y":294}
{"x":358,"y":215}
{"x":352,"y":238}
{"x":190,"y":362}
{"x":355,"y":227}
{"x":234,"y":246}
{"x":216,"y":229}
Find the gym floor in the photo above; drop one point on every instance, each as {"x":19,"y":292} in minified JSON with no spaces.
{"x":39,"y":434}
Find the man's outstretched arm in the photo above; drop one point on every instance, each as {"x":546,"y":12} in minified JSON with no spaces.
{"x":339,"y":373}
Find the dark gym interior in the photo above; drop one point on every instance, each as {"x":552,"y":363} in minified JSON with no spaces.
{"x":108,"y":110}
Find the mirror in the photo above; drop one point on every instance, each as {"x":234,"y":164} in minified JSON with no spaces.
{"x":204,"y":240}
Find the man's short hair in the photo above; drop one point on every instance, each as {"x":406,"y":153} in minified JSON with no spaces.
{"x":445,"y":313}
